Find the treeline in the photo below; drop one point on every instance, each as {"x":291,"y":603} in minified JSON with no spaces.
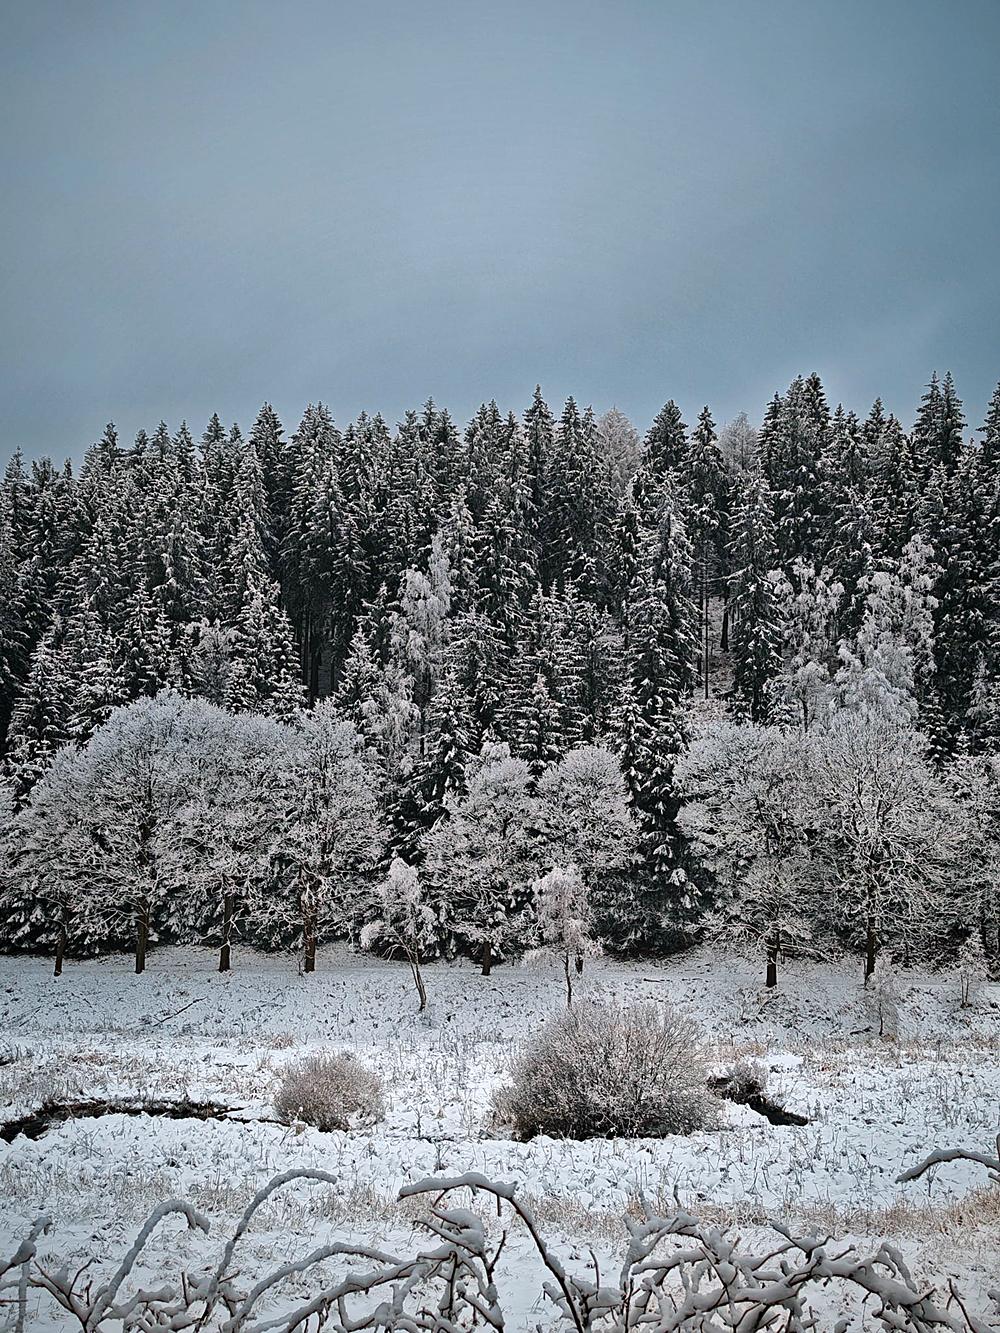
{"x":537,"y":583}
{"x":182,"y":821}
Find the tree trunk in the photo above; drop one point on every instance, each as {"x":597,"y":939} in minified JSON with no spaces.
{"x":225,"y":953}
{"x":569,"y":981}
{"x":421,"y":988}
{"x":871,"y":952}
{"x":309,"y":942}
{"x":706,"y":652}
{"x":773,"y":950}
{"x":706,"y":626}
{"x":724,"y":644}
{"x":487,"y":957}
{"x":141,"y":938}
{"x":314,"y":674}
{"x":60,"y":950}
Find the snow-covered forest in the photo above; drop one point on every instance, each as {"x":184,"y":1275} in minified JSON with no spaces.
{"x":543,"y":682}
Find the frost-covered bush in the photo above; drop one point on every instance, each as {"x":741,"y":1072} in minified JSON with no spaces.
{"x":679,"y":1276}
{"x":331,"y":1091}
{"x":744,"y":1080}
{"x":598,"y":1071}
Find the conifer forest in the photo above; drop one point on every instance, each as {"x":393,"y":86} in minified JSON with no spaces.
{"x":543,"y":679}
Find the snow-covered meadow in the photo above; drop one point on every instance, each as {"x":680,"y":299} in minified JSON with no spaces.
{"x":183,"y":1032}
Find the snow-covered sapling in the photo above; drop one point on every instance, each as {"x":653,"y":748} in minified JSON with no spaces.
{"x":884,"y":998}
{"x":405,"y":920}
{"x":565,"y":920}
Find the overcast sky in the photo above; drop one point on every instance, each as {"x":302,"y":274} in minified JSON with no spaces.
{"x":209,"y":204}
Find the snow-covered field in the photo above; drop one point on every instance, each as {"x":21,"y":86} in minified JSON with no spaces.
{"x":182,"y":1031}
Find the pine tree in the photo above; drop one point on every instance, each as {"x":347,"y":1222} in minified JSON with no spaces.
{"x":481,"y":859}
{"x":580,"y":507}
{"x":15,"y":629}
{"x":792,"y":443}
{"x":757,"y":631}
{"x":893,"y":484}
{"x":854,"y":541}
{"x":705,"y":488}
{"x":663,"y":451}
{"x":951,"y":521}
{"x":40,"y":723}
{"x":314,"y":447}
{"x":438,"y":773}
{"x":661,"y":647}
{"x":937,"y":433}
{"x":478,"y":660}
{"x":535,"y":726}
{"x":271,"y":450}
{"x":539,"y":438}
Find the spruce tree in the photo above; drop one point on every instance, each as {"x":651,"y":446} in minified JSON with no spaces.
{"x":663,"y":450}
{"x":539,"y":440}
{"x":705,"y":490}
{"x":40,"y":723}
{"x":757,"y":632}
{"x":661,"y":648}
{"x":793,"y":440}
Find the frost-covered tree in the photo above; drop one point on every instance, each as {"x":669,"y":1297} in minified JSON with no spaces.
{"x":619,"y":448}
{"x":584,"y":820}
{"x":419,"y":629}
{"x":892,"y":843}
{"x":483,"y":857}
{"x":742,"y":789}
{"x":890,"y":666}
{"x":225,"y":832}
{"x":738,"y":444}
{"x":376,"y":692}
{"x":119,"y":799}
{"x":332,"y":836}
{"x":808,"y":602}
{"x":45,"y":879}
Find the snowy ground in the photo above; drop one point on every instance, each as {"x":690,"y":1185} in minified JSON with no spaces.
{"x":183,"y":1031}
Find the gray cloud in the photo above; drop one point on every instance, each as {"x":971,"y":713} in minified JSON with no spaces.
{"x":207,"y":205}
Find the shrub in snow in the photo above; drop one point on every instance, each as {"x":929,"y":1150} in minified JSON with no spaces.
{"x":330,"y":1091}
{"x":744,"y":1080}
{"x":598,"y":1071}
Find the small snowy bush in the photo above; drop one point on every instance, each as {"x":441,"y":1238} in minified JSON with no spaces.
{"x":603,"y":1072}
{"x":744,"y":1080}
{"x":330,"y":1091}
